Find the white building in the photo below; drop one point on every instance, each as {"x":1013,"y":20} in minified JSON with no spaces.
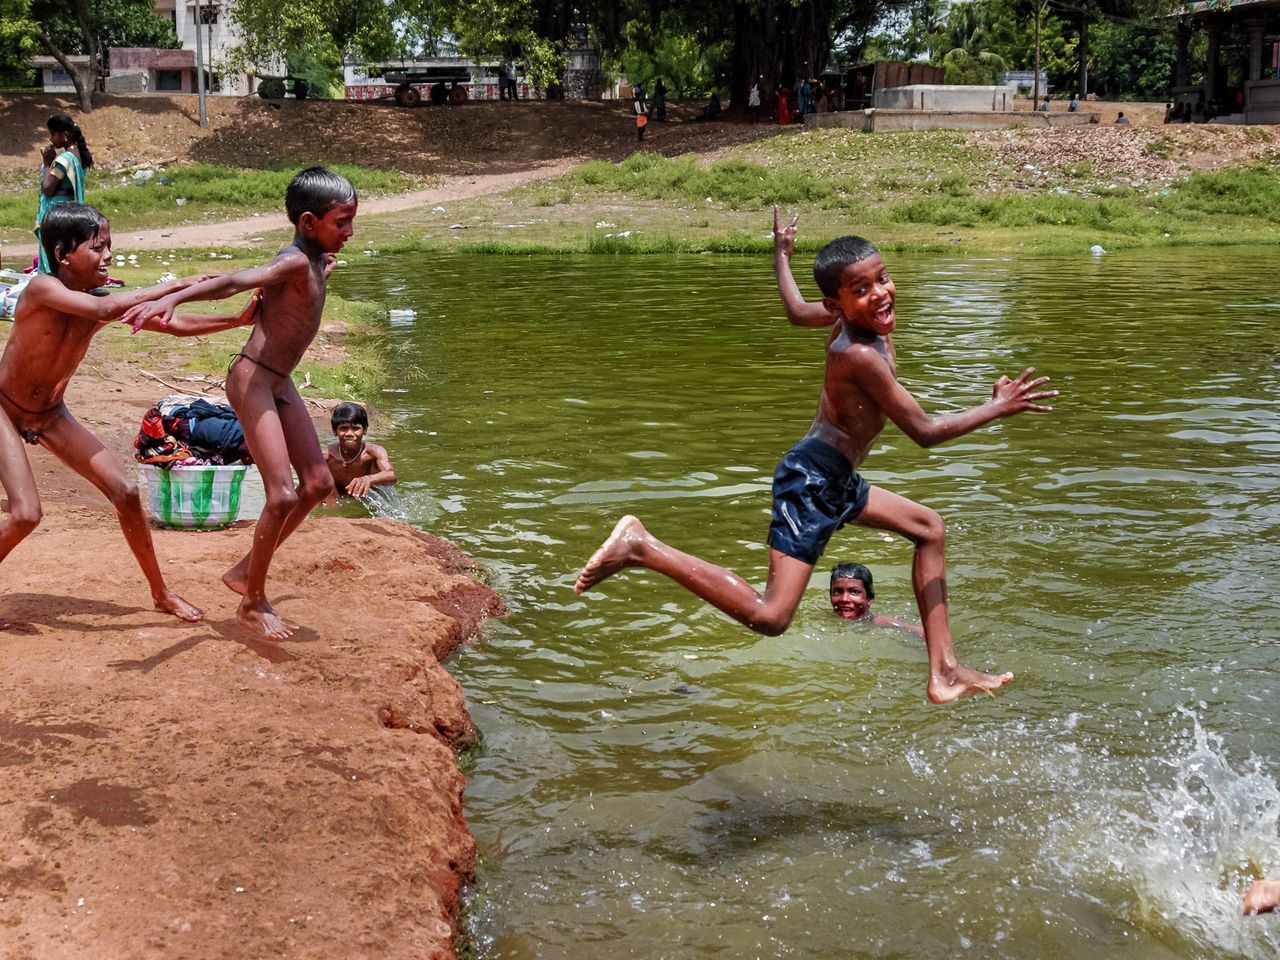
{"x":216,"y":35}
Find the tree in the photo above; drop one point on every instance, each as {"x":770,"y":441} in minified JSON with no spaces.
{"x":67,"y":28}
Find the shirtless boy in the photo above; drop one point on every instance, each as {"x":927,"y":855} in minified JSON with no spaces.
{"x":851,"y":593}
{"x":55,"y":321}
{"x":816,"y":488}
{"x":321,"y":205}
{"x":355,"y":464}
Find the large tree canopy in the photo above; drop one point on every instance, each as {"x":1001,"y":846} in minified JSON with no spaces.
{"x":66,"y":28}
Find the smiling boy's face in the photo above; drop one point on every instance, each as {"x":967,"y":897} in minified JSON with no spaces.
{"x":866,"y":296}
{"x":85,"y":267}
{"x":849,"y":598}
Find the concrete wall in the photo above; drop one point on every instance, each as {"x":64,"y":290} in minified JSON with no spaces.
{"x":889,"y":120}
{"x":1262,"y":101}
{"x":938,"y":96}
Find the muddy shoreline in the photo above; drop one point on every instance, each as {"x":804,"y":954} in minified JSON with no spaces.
{"x":184,"y":790}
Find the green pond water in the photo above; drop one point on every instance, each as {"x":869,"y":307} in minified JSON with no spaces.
{"x":656,"y":781}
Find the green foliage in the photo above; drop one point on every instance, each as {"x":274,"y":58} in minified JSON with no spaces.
{"x":1247,"y":192}
{"x":736,"y":183}
{"x":321,"y":68}
{"x":132,"y":23}
{"x":17,"y":36}
{"x":684,"y":61}
{"x":963,"y":67}
{"x":1133,"y":61}
{"x":202,"y":186}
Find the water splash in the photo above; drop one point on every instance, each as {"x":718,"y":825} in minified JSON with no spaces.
{"x":1186,"y":852}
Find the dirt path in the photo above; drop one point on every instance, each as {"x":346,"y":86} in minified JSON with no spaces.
{"x":246,"y":231}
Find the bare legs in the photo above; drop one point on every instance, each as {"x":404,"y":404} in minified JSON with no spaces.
{"x":923,"y":527}
{"x":80,"y":450}
{"x":20,"y":487}
{"x":278,"y":432}
{"x":631,"y":545}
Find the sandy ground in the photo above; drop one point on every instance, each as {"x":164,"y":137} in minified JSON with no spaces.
{"x":175,"y":790}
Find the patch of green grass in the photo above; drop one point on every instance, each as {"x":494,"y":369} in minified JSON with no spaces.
{"x":204,"y":189}
{"x":737,"y":183}
{"x":1238,"y":192}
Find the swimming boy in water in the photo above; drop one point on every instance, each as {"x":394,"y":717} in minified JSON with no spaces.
{"x":55,"y":321}
{"x":851,"y":593}
{"x":355,"y":464}
{"x":321,"y":205}
{"x":816,"y":488}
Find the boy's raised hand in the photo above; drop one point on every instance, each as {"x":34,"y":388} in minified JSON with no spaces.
{"x":1021,"y":395}
{"x":784,"y":238}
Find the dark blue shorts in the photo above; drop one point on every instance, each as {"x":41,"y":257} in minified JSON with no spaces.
{"x":816,"y":491}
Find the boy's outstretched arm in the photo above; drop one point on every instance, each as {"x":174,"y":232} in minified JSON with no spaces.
{"x":50,"y":293}
{"x":203,"y":324}
{"x":385,"y":474}
{"x":280,"y":270}
{"x":1008,"y":398}
{"x":800,"y":311}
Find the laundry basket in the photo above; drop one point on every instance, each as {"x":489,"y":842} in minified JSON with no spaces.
{"x":195,"y":498}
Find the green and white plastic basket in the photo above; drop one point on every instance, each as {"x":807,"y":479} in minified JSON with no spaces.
{"x":195,"y":498}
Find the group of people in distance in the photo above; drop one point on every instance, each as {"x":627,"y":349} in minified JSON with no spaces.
{"x":816,"y":487}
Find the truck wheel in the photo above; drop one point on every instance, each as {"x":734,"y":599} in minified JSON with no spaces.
{"x":272,"y":88}
{"x":408,"y":95}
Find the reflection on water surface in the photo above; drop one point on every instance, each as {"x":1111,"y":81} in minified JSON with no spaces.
{"x":658,"y":782}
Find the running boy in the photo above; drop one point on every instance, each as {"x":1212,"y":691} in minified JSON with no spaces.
{"x":816,"y":488}
{"x":321,"y":205}
{"x":56,"y":319}
{"x":355,"y":464}
{"x":851,"y":592}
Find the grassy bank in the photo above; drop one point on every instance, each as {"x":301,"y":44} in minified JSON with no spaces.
{"x":922,"y":190}
{"x":180,"y":195}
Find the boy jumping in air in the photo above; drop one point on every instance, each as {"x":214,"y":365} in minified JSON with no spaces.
{"x":816,"y":488}
{"x":55,"y":321}
{"x":322,"y":206}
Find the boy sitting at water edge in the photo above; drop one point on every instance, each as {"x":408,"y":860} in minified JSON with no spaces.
{"x":851,"y":593}
{"x":322,"y":206}
{"x":816,"y":488}
{"x":55,"y":321}
{"x":355,"y":464}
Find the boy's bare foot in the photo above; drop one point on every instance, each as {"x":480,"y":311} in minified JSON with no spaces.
{"x":963,"y":682}
{"x":1263,"y":896}
{"x":265,"y":622}
{"x":170,"y":602}
{"x":237,"y":578}
{"x":620,"y":549}
{"x":237,"y":582}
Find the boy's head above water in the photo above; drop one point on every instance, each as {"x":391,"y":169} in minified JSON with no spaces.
{"x":855,"y":284}
{"x":77,"y":243}
{"x":349,"y":414}
{"x":321,"y":204}
{"x":851,"y":591}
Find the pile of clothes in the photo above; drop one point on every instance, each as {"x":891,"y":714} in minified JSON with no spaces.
{"x":182,"y":431}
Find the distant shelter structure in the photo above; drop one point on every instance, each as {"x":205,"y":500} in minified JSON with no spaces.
{"x":1241,"y":69}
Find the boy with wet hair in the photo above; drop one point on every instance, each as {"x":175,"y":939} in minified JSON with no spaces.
{"x":355,"y":464}
{"x":851,"y":593}
{"x":817,"y":489}
{"x":322,"y":207}
{"x":57,"y":317}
